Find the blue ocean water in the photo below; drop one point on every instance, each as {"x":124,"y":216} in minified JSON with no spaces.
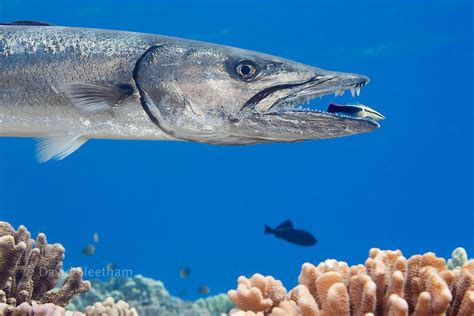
{"x":158,"y":206}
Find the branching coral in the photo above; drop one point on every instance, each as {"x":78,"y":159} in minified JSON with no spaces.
{"x":29,"y":271}
{"x":388,"y":284}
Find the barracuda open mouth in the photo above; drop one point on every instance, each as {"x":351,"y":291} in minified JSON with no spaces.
{"x":304,"y":98}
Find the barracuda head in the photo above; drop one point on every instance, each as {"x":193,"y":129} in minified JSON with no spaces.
{"x":223,"y":95}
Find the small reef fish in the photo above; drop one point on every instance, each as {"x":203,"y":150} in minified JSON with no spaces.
{"x":66,"y":85}
{"x":95,"y":237}
{"x":287,"y":232}
{"x":203,"y":289}
{"x":111,"y":266}
{"x":355,"y":110}
{"x":184,"y":272}
{"x":89,"y":250}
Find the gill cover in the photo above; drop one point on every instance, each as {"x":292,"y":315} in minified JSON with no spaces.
{"x":158,"y":75}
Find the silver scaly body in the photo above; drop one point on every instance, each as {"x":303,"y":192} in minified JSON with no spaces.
{"x":37,"y":63}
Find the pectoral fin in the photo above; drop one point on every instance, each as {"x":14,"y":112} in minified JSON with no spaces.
{"x":58,"y":147}
{"x":95,"y":98}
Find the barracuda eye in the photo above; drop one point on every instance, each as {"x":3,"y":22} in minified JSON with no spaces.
{"x":247,"y":70}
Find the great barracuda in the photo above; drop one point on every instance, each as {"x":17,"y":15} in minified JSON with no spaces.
{"x":66,"y":85}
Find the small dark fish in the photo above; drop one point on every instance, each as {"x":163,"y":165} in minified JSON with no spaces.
{"x":184,"y":272}
{"x":95,"y":237}
{"x":295,"y":236}
{"x":203,"y":289}
{"x":111,"y":266}
{"x":89,"y":250}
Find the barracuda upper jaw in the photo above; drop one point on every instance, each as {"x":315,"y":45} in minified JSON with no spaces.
{"x":336,"y":83}
{"x":340,"y":82}
{"x":355,"y":89}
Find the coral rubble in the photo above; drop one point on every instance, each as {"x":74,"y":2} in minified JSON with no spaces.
{"x":29,"y":271}
{"x":388,"y":284}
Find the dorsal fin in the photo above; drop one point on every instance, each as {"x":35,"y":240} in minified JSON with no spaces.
{"x":27,"y":23}
{"x":285,"y":225}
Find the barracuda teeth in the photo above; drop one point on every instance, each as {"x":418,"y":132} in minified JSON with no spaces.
{"x":339,"y":92}
{"x":358,"y":91}
{"x":353,"y":91}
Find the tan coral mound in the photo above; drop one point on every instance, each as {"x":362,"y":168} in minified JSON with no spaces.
{"x":388,"y":284}
{"x":258,"y":293}
{"x":29,"y":271}
{"x":110,"y":308}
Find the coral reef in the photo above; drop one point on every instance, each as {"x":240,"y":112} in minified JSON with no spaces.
{"x":216,"y":305}
{"x":138,"y":291}
{"x":149,"y":297}
{"x":29,"y":269}
{"x":388,"y":284}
